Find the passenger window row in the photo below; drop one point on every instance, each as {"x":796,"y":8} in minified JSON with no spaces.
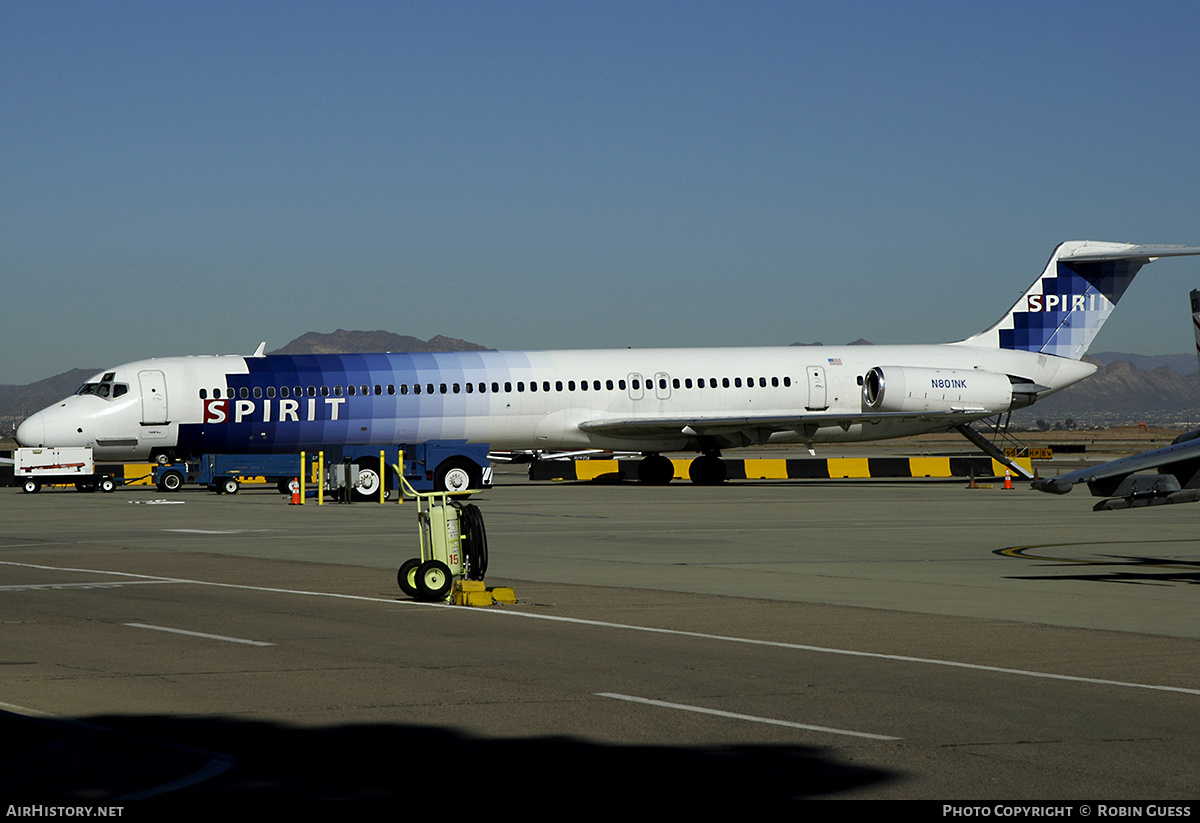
{"x":636,"y":384}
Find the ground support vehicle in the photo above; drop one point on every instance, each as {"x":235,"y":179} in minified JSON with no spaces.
{"x":440,"y":465}
{"x":223,"y":473}
{"x":447,"y":465}
{"x":37,"y":467}
{"x":453,"y":543}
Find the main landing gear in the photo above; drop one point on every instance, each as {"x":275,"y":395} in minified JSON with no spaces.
{"x":655,"y":470}
{"x":706,"y":470}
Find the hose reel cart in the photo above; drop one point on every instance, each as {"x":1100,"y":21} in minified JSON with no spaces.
{"x":453,"y":543}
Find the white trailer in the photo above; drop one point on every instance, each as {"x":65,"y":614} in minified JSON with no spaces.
{"x":36,"y":467}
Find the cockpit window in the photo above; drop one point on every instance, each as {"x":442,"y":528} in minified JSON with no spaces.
{"x":106,"y":388}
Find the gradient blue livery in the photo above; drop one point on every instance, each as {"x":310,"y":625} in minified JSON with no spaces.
{"x":407,"y":399}
{"x":1071,"y":307}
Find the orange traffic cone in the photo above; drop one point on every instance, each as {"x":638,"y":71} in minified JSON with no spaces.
{"x":1008,"y":478}
{"x":295,"y":484}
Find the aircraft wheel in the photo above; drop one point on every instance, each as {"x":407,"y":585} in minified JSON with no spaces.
{"x":655,"y":470}
{"x":31,"y":486}
{"x":433,"y":580}
{"x":170,"y":482}
{"x":456,"y":475}
{"x":707,"y":470}
{"x":406,"y":577}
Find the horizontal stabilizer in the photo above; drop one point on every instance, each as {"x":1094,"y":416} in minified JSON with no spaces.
{"x":1147,"y":253}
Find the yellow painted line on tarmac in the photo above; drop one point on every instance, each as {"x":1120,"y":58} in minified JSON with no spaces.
{"x":1022,"y":553}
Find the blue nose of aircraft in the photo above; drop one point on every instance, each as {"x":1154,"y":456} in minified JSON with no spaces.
{"x":32,"y":432}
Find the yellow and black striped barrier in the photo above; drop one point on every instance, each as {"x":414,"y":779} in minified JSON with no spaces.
{"x":802,"y":468}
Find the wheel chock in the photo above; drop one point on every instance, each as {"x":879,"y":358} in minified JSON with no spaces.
{"x":476,"y":593}
{"x":470,"y":593}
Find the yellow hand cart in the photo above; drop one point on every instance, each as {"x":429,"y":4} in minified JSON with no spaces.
{"x":453,"y":543}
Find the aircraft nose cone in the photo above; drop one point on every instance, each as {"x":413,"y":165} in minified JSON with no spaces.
{"x":32,"y":432}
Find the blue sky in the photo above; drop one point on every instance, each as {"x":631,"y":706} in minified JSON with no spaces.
{"x":195,"y":178}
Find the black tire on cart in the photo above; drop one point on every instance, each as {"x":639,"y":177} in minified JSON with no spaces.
{"x":406,"y":577}
{"x":433,"y":580}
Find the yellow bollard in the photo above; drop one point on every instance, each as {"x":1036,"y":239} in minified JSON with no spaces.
{"x":303,"y":474}
{"x":321,"y":478}
{"x":400,"y":477}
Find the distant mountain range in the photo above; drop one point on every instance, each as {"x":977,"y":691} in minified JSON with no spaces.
{"x":362,"y":342}
{"x":1184,"y":364}
{"x":1121,"y":392}
{"x":1127,"y":388}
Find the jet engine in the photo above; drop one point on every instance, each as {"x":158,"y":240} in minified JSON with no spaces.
{"x":908,"y":389}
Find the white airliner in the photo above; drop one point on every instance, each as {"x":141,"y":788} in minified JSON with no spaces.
{"x":646,"y":400}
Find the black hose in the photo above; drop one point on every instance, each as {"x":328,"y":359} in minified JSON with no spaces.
{"x":474,"y":544}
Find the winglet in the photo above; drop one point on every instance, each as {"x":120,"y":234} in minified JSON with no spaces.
{"x":262,"y":347}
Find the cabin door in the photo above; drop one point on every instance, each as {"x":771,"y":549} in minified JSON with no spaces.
{"x":817,"y":394}
{"x":635,"y":386}
{"x":154,"y":397}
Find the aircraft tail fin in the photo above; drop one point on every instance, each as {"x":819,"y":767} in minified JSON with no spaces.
{"x":1063,"y":310}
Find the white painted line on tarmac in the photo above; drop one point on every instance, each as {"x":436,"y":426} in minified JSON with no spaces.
{"x":748,"y":717}
{"x":199,"y":634}
{"x":107,"y":584}
{"x":220,"y":531}
{"x":777,"y":644}
{"x":929,"y":661}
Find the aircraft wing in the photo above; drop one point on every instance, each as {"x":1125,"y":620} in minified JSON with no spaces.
{"x":1105,"y":479}
{"x":758,"y":427}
